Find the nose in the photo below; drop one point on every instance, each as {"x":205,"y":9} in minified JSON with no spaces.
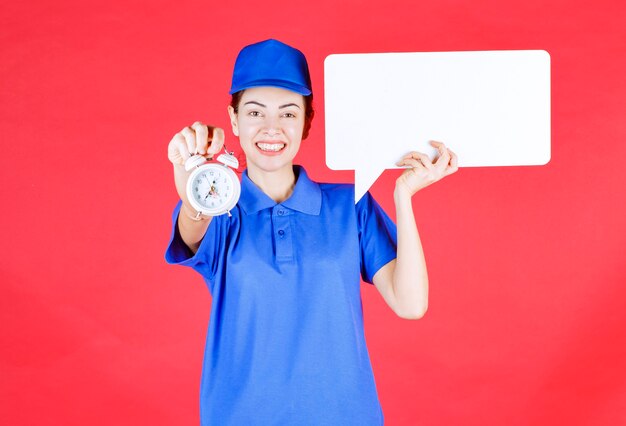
{"x":272,"y":127}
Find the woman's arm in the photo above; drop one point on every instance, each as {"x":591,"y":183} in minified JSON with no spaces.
{"x":403,"y":282}
{"x":204,"y":140}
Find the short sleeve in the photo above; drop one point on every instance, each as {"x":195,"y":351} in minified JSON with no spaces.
{"x":206,"y":259}
{"x":377,"y":237}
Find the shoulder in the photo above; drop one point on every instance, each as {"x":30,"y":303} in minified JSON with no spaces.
{"x":344,"y":193}
{"x":337,"y":193}
{"x":336,"y":188}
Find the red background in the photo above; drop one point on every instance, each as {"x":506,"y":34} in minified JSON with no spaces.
{"x":526,"y":318}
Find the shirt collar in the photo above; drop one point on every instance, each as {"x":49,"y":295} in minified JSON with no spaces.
{"x":306,"y":196}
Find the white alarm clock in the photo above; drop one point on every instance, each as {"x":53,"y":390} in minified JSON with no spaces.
{"x":212,"y":188}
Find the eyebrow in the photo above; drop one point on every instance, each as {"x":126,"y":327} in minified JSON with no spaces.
{"x":265,"y":106}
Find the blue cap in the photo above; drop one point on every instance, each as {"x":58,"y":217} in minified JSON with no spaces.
{"x":271,"y":63}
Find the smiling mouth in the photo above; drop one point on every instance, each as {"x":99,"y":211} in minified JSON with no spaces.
{"x":270,"y":147}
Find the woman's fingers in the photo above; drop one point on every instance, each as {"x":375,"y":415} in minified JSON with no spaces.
{"x":195,"y":139}
{"x":416,"y":159}
{"x":441,"y":147}
{"x":454,"y":163}
{"x":422,"y":171}
{"x":412,"y":163}
{"x":217,"y":140}
{"x":190,"y":139}
{"x":177,"y":151}
{"x":444,"y":155}
{"x":201,"y":137}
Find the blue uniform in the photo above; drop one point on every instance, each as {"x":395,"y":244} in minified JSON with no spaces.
{"x":285,"y":344}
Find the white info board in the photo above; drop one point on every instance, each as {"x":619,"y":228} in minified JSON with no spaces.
{"x":492,"y":108}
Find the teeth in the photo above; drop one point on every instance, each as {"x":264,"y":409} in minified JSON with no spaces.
{"x":271,"y":146}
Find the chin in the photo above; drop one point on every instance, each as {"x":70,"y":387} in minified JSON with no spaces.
{"x":269,"y":164}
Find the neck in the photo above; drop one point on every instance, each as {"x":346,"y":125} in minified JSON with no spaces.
{"x":278,"y":185}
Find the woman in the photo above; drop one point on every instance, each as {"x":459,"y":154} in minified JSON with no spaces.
{"x":285,"y":343}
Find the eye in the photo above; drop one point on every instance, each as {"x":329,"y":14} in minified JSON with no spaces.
{"x":289,"y":115}
{"x":254,"y":113}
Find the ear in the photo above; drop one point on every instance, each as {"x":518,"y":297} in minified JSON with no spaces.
{"x":307,"y":125}
{"x":233,"y":120}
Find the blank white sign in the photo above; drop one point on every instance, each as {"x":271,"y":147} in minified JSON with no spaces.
{"x":492,"y":108}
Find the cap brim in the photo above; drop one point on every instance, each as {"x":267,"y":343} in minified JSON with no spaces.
{"x":305,"y":91}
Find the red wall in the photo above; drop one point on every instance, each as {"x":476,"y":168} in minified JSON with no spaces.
{"x":526,"y":319}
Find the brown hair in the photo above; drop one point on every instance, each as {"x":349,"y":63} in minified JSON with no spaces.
{"x":309,"y":112}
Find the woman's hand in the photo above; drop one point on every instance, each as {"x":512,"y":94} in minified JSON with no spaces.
{"x":195,"y":139}
{"x":423,"y":172}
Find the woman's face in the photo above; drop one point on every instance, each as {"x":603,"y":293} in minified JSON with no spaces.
{"x":269,"y":124}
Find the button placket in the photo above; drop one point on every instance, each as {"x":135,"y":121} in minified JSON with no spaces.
{"x":282,"y":232}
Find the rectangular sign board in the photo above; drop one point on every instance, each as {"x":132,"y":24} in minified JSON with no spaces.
{"x":492,"y":108}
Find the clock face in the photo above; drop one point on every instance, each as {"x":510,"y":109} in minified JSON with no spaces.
{"x":213,"y":189}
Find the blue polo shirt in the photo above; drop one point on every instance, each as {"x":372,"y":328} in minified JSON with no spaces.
{"x":285,"y":344}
